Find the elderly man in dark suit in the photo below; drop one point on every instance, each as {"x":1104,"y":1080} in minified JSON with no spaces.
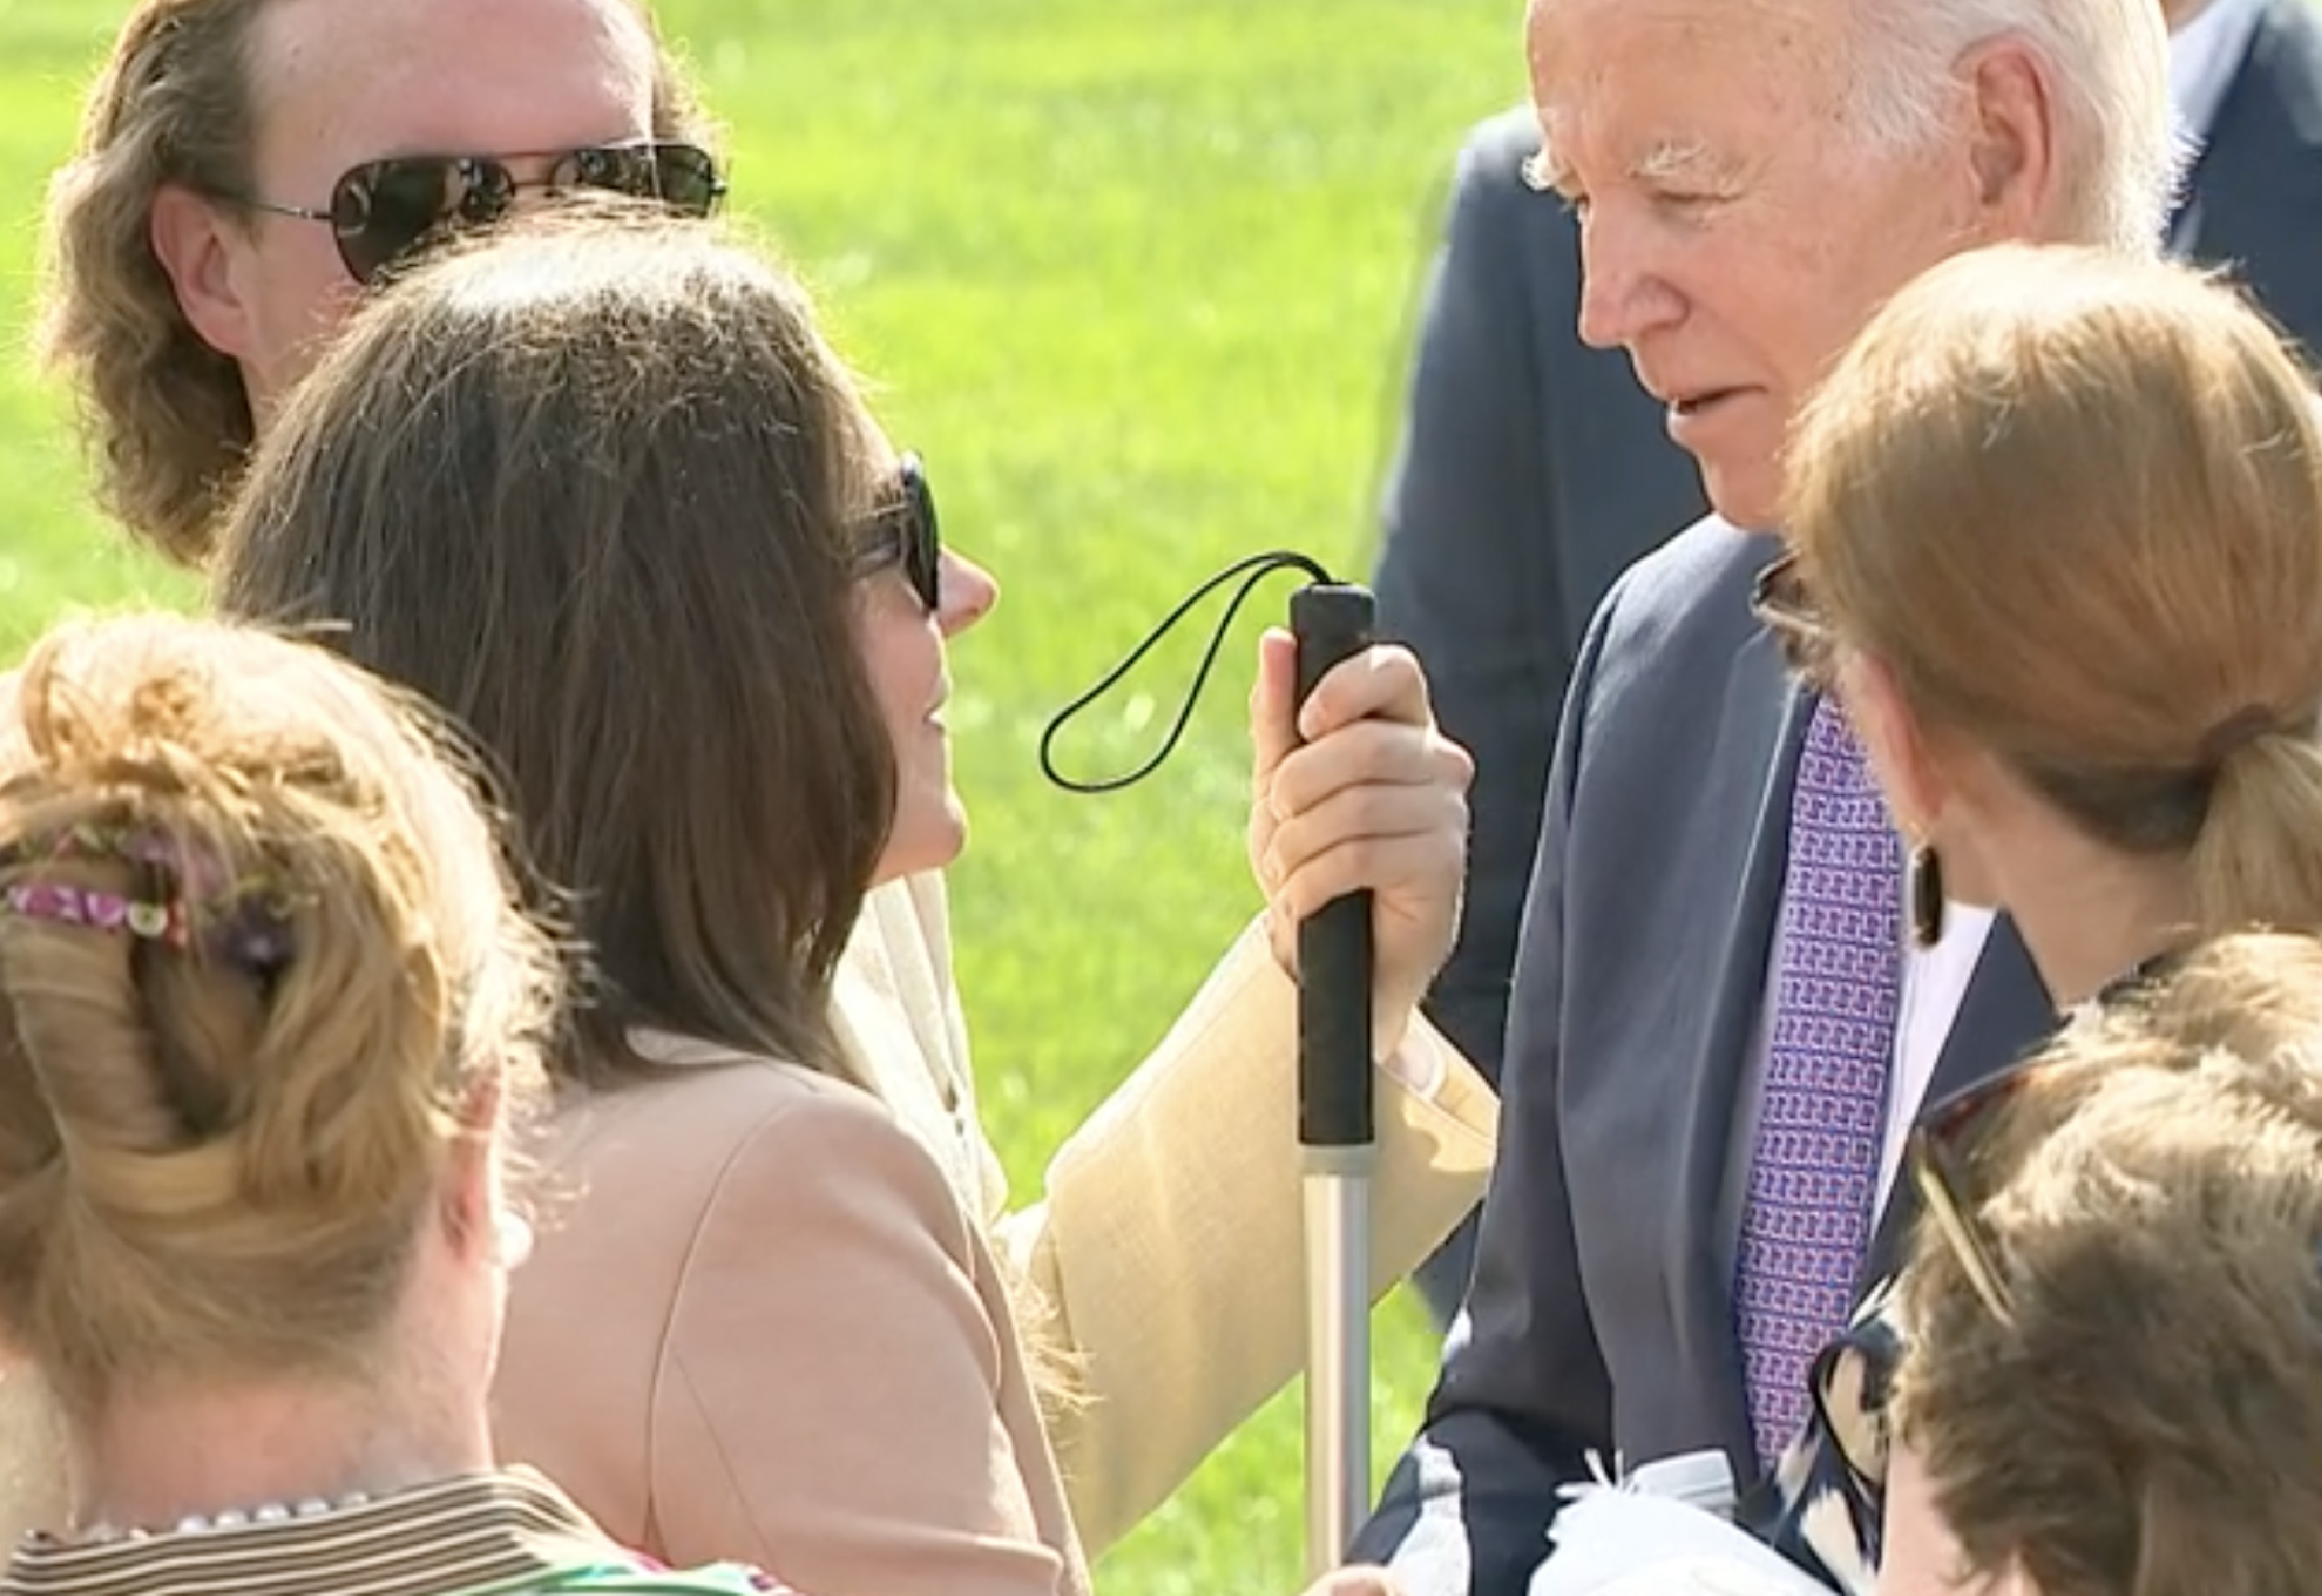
{"x":1752,"y":178}
{"x":1533,"y":469}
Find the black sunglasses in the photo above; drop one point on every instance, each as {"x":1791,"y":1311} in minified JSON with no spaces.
{"x":383,"y":210}
{"x":1936,"y":1153}
{"x":906,"y":533}
{"x":1780,"y":600}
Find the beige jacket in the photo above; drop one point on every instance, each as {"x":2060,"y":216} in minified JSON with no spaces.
{"x":769,"y":1324}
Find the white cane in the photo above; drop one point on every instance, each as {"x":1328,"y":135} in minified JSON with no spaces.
{"x":1338,"y":1144}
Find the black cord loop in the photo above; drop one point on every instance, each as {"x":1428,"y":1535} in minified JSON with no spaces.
{"x":1253,"y":570}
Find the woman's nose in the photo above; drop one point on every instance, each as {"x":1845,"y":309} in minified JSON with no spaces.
{"x":969,"y":592}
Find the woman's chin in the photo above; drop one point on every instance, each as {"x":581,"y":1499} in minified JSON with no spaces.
{"x":930,"y":842}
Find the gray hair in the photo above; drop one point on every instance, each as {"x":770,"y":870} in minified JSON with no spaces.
{"x":2118,"y":156}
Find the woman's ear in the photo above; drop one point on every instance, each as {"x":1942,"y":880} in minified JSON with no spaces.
{"x":479,"y":1224}
{"x":472,"y":1201}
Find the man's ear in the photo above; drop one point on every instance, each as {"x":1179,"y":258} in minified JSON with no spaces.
{"x":2013,"y":141}
{"x":190,"y":238}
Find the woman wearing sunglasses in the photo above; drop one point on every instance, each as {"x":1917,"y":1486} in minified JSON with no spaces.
{"x":600,"y":489}
{"x":268,"y":1016}
{"x":2113,"y":1380}
{"x":2056,"y":534}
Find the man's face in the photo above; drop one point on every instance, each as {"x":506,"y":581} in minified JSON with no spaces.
{"x":1734,"y":235}
{"x":338,"y":82}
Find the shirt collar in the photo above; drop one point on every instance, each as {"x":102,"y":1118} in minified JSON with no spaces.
{"x":506,"y":1531}
{"x":2204,"y":57}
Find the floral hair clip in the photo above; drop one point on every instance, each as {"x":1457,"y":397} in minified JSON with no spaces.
{"x":64,"y":905}
{"x":249,"y":928}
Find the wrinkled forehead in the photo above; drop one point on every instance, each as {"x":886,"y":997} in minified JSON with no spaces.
{"x":339,"y":81}
{"x":1600,"y":64}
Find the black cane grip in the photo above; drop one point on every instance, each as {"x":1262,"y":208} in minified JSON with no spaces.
{"x":1333,"y":623}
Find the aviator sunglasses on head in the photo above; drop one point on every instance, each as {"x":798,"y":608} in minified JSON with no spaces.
{"x":383,"y":210}
{"x":1936,"y":1157}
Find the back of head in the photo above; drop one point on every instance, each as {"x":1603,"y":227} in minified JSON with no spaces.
{"x":2147,"y":1423}
{"x":258,"y":968}
{"x":2071,"y":501}
{"x":167,"y":416}
{"x":592,"y":486}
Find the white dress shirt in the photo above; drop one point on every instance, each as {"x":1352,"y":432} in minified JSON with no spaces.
{"x":2204,"y":57}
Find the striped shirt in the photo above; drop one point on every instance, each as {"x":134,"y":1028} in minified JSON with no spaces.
{"x":506,"y":1533}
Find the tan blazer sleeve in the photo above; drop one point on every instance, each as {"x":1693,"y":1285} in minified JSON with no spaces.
{"x":827,"y":1405}
{"x":1169,"y":1245}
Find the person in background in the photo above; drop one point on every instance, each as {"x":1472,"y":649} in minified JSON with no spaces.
{"x":267,"y":1016}
{"x":707,"y":638}
{"x":245,"y":168}
{"x":2109,"y":1385}
{"x":1532,"y":468}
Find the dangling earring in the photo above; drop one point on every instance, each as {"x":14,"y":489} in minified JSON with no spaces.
{"x":1926,"y":895}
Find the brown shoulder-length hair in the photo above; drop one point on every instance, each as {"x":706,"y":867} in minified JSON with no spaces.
{"x":2071,"y":501}
{"x":166,"y":419}
{"x":592,"y":486}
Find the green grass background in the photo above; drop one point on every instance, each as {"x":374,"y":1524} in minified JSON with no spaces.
{"x":1135,"y":275}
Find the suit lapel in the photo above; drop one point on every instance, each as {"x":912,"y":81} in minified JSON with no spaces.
{"x":2004,"y":1013}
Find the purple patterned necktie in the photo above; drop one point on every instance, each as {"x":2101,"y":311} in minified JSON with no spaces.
{"x":1814,"y":1176}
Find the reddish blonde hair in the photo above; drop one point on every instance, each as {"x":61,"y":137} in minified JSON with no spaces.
{"x":2073,"y":502}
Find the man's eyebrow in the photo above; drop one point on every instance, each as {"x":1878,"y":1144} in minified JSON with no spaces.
{"x":1670,"y":161}
{"x":1680,"y":160}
